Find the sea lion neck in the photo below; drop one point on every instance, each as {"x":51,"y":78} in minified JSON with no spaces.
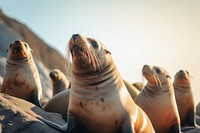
{"x":11,"y":64}
{"x":93,"y":80}
{"x":182,"y":88}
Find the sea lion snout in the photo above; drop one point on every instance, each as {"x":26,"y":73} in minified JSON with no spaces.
{"x":146,"y":70}
{"x":74,"y":36}
{"x":53,"y":74}
{"x":181,"y":71}
{"x":18,"y":42}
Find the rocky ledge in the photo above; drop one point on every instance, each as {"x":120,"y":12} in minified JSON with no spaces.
{"x":19,"y":116}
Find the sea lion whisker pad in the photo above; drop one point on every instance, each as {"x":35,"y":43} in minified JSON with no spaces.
{"x":99,"y":102}
{"x":22,"y":78}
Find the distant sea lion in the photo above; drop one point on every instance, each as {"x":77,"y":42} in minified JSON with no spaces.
{"x":184,"y":98}
{"x":60,"y":82}
{"x":138,"y":85}
{"x":133,"y":91}
{"x":21,"y":78}
{"x":158,"y":101}
{"x":99,"y":101}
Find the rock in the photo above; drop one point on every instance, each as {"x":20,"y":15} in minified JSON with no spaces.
{"x":18,"y":115}
{"x":195,"y":130}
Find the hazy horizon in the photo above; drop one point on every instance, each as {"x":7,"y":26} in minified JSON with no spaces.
{"x":161,"y":33}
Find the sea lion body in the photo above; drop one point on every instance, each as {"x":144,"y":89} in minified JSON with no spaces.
{"x":138,"y":85}
{"x":21,"y":78}
{"x":184,"y":98}
{"x":59,"y":103}
{"x":59,"y":81}
{"x":133,"y":91}
{"x":99,"y":101}
{"x":158,"y":101}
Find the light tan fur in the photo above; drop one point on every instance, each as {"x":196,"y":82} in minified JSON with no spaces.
{"x":21,"y":78}
{"x":158,"y":101}
{"x":59,"y":81}
{"x":99,"y":101}
{"x":184,"y":98}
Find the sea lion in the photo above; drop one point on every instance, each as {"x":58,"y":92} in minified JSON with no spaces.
{"x":184,"y":98}
{"x":99,"y":101}
{"x":133,"y":91}
{"x":21,"y":78}
{"x":59,"y":81}
{"x":158,"y":101}
{"x":59,"y":102}
{"x":138,"y":85}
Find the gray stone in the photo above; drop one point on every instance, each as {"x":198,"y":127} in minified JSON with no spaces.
{"x":19,"y":116}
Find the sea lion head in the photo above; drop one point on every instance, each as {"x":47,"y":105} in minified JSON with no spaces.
{"x":182,"y":79}
{"x":18,"y":50}
{"x":55,"y":75}
{"x":156,"y":76}
{"x":88,"y":53}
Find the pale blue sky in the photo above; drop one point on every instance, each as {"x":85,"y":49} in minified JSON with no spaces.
{"x":137,"y":32}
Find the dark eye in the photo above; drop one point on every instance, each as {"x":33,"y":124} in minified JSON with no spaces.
{"x":25,"y":45}
{"x":95,"y":44}
{"x":157,"y":70}
{"x":187,"y":72}
{"x":11,"y":45}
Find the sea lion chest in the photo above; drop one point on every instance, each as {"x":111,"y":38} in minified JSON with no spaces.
{"x":21,"y":81}
{"x":159,"y":107}
{"x":100,"y":111}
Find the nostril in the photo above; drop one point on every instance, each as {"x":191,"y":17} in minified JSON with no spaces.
{"x":181,"y":71}
{"x":18,"y":42}
{"x":74,"y":36}
{"x":145,"y":66}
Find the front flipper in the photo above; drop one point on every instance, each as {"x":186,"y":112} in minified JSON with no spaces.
{"x":69,"y":127}
{"x":190,"y":119}
{"x":127,"y":128}
{"x":37,"y":101}
{"x":175,"y":129}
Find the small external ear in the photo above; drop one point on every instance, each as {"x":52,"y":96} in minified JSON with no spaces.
{"x":7,"y":51}
{"x":31,"y":50}
{"x":168,"y":76}
{"x":108,"y":52}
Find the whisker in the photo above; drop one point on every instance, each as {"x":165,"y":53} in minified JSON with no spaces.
{"x":159,"y":82}
{"x":68,"y":66}
{"x":155,"y":80}
{"x":97,"y":62}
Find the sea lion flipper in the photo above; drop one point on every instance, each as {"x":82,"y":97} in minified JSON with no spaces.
{"x":36,"y":101}
{"x":69,"y":127}
{"x":175,"y":129}
{"x":190,"y":118}
{"x":126,"y":128}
